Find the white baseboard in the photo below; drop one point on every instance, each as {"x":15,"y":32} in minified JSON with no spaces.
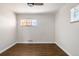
{"x":7,"y":48}
{"x":36,"y":42}
{"x":63,"y":49}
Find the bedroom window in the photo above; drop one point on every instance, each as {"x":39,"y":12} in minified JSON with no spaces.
{"x":75,"y":14}
{"x":28,"y":22}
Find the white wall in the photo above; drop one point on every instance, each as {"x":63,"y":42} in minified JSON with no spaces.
{"x":66,"y":33}
{"x":42,"y":33}
{"x":7,"y":29}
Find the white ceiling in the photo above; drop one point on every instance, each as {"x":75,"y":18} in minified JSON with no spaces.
{"x":24,"y":8}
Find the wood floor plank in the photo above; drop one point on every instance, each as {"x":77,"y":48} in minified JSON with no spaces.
{"x":34,"y":50}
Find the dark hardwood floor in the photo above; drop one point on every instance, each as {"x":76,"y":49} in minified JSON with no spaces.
{"x":34,"y":50}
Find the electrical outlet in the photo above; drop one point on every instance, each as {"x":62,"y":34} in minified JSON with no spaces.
{"x":30,"y":40}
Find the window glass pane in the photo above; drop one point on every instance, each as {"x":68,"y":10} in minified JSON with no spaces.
{"x":34,"y":22}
